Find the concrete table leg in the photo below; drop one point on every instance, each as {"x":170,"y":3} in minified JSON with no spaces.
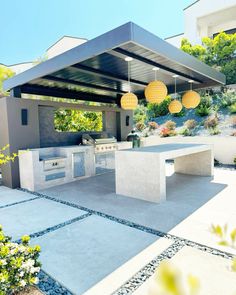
{"x":201,"y":163}
{"x":141,"y":176}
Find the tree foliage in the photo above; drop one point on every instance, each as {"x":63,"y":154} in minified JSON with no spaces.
{"x":76,"y":120}
{"x":5,"y":73}
{"x":219,"y":53}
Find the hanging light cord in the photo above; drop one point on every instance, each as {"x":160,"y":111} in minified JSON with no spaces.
{"x":175,"y":89}
{"x":129,"y":75}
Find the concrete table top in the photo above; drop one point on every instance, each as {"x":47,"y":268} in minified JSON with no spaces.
{"x":140,"y":172}
{"x":171,"y":149}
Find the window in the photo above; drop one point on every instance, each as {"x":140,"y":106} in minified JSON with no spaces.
{"x":74,"y":120}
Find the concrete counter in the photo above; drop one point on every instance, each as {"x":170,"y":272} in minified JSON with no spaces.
{"x":140,"y":172}
{"x":46,"y":167}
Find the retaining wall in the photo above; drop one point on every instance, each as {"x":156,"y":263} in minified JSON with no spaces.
{"x":224,"y":147}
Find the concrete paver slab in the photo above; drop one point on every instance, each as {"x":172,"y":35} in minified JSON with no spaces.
{"x":9,"y":196}
{"x":81,"y":254}
{"x":34,"y":216}
{"x":113,"y":281}
{"x":214,"y":273}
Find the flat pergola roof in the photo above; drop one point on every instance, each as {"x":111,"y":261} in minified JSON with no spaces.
{"x":97,"y":70}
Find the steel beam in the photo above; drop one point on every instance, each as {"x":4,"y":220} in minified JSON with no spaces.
{"x":107,"y":75}
{"x":65,"y":93}
{"x":82,"y":84}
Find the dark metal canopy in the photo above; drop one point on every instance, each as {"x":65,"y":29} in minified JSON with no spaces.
{"x":97,"y":70}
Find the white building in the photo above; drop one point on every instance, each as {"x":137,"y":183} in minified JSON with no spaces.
{"x":63,"y":44}
{"x":206,"y":18}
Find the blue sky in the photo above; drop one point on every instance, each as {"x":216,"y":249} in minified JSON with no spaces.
{"x":29,"y":27}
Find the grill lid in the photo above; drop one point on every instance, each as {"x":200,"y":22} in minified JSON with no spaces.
{"x":98,"y":138}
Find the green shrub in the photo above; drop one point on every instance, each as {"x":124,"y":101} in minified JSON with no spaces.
{"x":232,"y":108}
{"x":152,"y":125}
{"x":204,"y":108}
{"x":202,"y":111}
{"x":233,"y":121}
{"x":235,"y":160}
{"x":170,"y":125}
{"x":211,"y":122}
{"x":157,"y":110}
{"x":140,"y":114}
{"x":228,"y":98}
{"x":190,"y":124}
{"x":186,"y":132}
{"x":214,"y":131}
{"x":19,"y":265}
{"x":233,"y":133}
{"x":180,"y":114}
{"x":140,"y":126}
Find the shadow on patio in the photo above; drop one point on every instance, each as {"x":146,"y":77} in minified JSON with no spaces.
{"x":185,"y":194}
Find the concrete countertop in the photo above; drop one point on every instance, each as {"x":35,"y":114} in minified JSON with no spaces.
{"x":166,"y":148}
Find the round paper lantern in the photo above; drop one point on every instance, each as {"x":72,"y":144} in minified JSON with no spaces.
{"x":129,"y":101}
{"x":191,"y":99}
{"x":155,"y":92}
{"x":175,"y":107}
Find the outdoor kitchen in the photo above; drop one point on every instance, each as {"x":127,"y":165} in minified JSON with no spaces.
{"x":45,"y":167}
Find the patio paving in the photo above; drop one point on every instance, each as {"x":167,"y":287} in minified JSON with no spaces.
{"x":185,"y":195}
{"x":93,"y":241}
{"x":214,"y":273}
{"x":34,"y":216}
{"x":9,"y":196}
{"x":81,"y":254}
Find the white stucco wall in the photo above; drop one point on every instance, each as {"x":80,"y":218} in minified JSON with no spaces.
{"x":224,"y":147}
{"x":64,"y":44}
{"x":206,"y":18}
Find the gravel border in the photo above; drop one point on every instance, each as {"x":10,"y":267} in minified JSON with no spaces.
{"x":20,"y":202}
{"x":49,"y":286}
{"x":148,"y":270}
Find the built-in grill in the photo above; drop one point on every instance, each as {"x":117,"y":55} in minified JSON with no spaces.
{"x":102,"y":142}
{"x":105,"y":146}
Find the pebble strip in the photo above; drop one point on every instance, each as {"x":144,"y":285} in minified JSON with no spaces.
{"x":20,"y":202}
{"x":56,"y":227}
{"x":49,"y":286}
{"x":141,"y":276}
{"x":148,"y":270}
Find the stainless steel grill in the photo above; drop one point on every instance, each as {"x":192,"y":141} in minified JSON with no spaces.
{"x":105,"y":146}
{"x":102,"y":142}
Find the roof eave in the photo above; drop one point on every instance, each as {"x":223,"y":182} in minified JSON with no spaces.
{"x":93,"y":47}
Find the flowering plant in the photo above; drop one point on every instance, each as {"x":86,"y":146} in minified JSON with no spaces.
{"x":19,"y":265}
{"x":166,"y":132}
{"x":6,"y":158}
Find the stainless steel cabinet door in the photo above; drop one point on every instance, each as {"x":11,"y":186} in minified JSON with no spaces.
{"x":104,"y":162}
{"x":78,"y":164}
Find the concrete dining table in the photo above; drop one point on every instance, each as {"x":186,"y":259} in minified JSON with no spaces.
{"x":140,"y":172}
